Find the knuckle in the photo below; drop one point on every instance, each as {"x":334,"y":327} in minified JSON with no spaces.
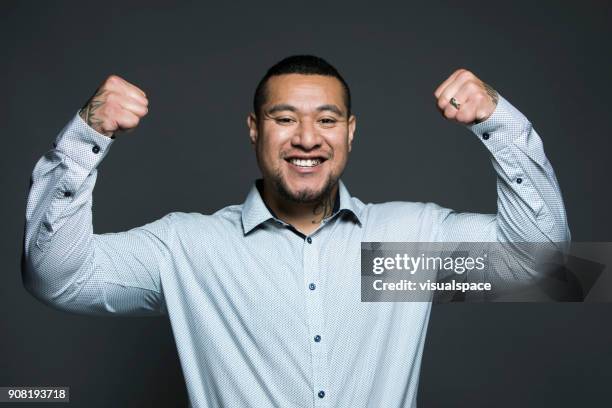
{"x":473,"y":86}
{"x":465,"y":75}
{"x":111,"y":80}
{"x":471,"y":90}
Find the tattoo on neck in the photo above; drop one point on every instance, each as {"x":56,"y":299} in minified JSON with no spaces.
{"x":323,"y":209}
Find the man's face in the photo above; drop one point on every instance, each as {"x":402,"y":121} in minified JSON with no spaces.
{"x":302,"y":136}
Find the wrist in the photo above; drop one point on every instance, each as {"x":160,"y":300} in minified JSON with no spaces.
{"x":92,"y":122}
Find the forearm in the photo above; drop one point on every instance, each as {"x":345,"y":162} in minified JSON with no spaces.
{"x":58,"y":234}
{"x":529,"y":202}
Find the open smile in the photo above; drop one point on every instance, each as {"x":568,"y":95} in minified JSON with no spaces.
{"x":305,"y":163}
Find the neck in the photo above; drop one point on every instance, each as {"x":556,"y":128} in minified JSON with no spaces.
{"x":305,"y":217}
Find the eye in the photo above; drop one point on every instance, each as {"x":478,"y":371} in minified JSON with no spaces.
{"x":284,"y":120}
{"x":328,"y":121}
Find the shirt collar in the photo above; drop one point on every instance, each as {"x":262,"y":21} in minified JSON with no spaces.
{"x":255,"y":211}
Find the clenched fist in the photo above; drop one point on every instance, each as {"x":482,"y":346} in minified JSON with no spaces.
{"x":116,"y":105}
{"x":465,"y":98}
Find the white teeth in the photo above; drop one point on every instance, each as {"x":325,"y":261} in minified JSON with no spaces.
{"x":305,"y":163}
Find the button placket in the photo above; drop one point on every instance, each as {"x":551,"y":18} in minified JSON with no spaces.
{"x":314,"y":306}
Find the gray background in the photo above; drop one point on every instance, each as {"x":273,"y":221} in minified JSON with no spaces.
{"x":199,"y":64}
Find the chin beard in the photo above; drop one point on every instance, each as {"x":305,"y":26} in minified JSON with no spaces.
{"x":307,"y":196}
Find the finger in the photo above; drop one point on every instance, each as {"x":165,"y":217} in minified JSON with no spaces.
{"x":117,"y":84}
{"x":127,"y":120}
{"x":133,"y":106}
{"x":133,"y":88}
{"x":450,"y":111}
{"x":441,"y":111}
{"x":451,"y":90}
{"x":467,"y":113}
{"x":468,"y":97}
{"x":448,"y":80}
{"x":135,"y":94}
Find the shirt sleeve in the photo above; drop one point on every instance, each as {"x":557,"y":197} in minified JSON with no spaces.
{"x":529,"y":203}
{"x":64,"y":263}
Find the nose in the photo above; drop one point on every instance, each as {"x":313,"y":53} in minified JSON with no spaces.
{"x":306,"y":136}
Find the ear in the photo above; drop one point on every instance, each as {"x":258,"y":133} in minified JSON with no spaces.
{"x":252,"y":124}
{"x":352,"y":125}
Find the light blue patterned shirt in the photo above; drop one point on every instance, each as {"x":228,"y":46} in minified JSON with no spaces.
{"x":263,"y":316}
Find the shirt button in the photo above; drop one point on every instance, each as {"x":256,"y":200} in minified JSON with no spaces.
{"x":485,"y":136}
{"x":309,"y":240}
{"x":317,"y":338}
{"x":67,"y":193}
{"x":519,"y":180}
{"x":321,"y":394}
{"x":95,"y":149}
{"x":312,"y":286}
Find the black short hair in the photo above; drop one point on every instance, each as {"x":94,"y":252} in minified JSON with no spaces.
{"x":300,"y":64}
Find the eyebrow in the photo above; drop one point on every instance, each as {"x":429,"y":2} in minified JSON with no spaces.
{"x":332,"y":108}
{"x":281,"y":107}
{"x":286,"y":107}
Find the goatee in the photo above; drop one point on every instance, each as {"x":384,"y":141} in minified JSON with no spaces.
{"x":307,"y":196}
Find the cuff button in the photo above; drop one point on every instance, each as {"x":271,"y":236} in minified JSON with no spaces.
{"x":95,"y":149}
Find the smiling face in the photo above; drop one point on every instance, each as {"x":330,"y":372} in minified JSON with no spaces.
{"x":302,"y":136}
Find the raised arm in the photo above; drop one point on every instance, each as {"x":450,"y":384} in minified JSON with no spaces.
{"x":529,"y":203}
{"x":529,"y":233}
{"x":64,"y":263}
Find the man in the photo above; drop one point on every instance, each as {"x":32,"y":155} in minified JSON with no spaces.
{"x":264,"y":297}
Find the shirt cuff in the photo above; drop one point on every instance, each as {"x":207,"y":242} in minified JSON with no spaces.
{"x":502,"y":128}
{"x":82,"y":143}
